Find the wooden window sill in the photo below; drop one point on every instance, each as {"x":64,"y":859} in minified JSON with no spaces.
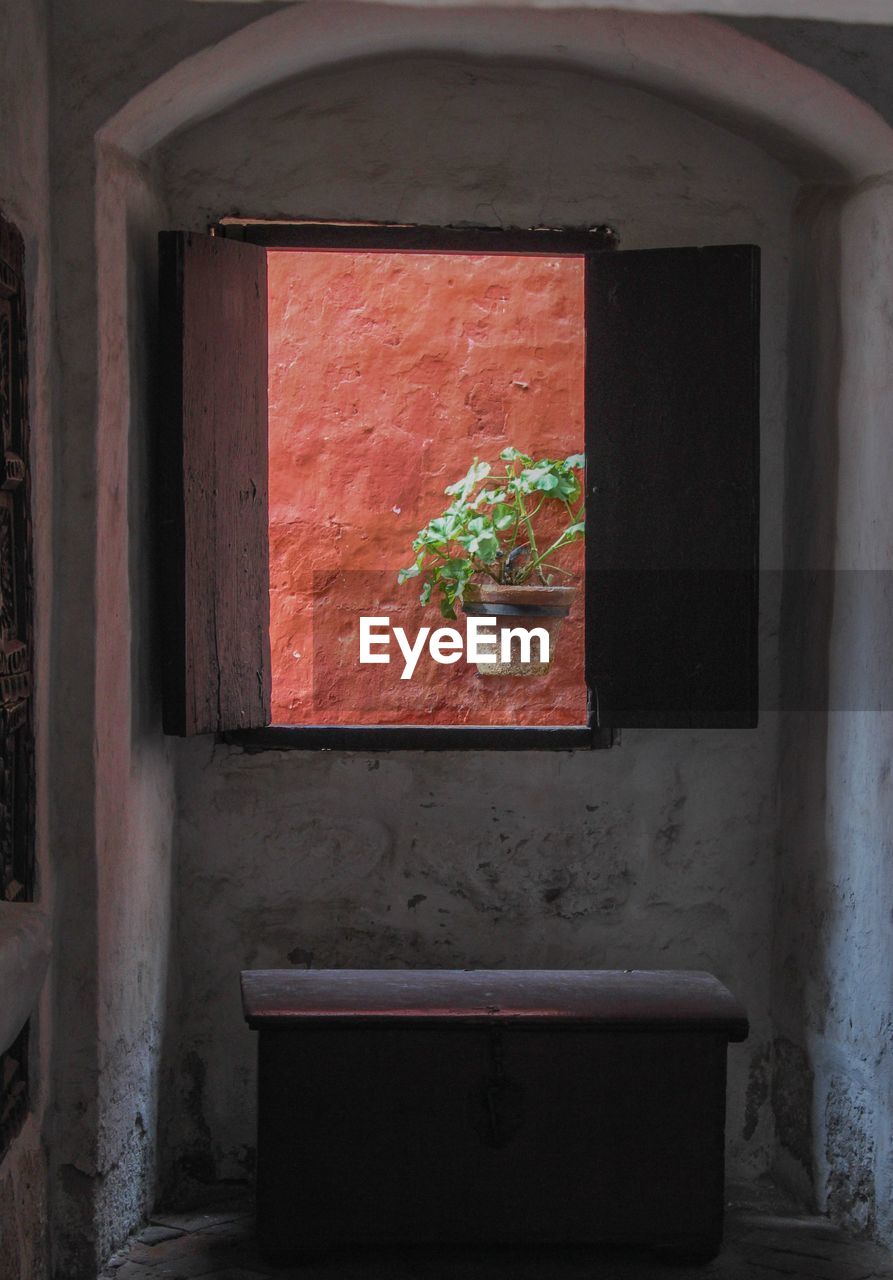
{"x":413,"y":737}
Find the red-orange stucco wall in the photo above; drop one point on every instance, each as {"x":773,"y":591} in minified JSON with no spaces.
{"x":389,"y":373}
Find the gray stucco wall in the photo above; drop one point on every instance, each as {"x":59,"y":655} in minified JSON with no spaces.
{"x":280,"y":871}
{"x":657,"y":853}
{"x":833,"y":971}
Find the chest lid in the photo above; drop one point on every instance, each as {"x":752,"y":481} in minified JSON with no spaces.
{"x":630,"y":999}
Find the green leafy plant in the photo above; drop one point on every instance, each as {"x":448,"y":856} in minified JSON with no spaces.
{"x":494,"y":527}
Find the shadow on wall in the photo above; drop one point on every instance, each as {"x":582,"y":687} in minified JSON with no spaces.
{"x":826,"y":1150}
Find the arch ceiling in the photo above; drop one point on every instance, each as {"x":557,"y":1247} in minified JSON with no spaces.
{"x":828,"y":10}
{"x":806,"y":120}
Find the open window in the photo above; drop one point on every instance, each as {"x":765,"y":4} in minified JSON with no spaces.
{"x":289,"y":503}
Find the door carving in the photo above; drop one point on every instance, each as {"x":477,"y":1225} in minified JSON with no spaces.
{"x":16,"y":641}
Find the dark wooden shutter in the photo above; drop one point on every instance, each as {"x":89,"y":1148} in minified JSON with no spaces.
{"x":213,"y":477}
{"x":672,"y":390}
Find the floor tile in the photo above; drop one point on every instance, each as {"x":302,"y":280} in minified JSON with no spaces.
{"x":765,"y":1240}
{"x":155,"y":1234}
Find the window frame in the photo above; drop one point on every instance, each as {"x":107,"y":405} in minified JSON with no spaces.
{"x":359,"y":237}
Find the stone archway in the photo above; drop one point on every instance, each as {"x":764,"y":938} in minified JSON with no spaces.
{"x":804,"y":118}
{"x":818,"y":129}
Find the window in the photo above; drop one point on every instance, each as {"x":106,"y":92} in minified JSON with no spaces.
{"x":392,"y":377}
{"x":671,"y":426}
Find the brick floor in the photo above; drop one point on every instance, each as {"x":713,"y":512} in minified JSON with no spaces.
{"x":765,"y":1240}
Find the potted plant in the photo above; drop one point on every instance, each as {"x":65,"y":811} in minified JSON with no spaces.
{"x":494,"y":549}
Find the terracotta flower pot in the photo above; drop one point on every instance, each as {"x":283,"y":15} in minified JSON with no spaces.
{"x":527,"y":606}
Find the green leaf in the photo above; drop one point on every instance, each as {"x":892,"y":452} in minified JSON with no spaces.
{"x":476,"y":472}
{"x":491,"y":496}
{"x":444,"y":527}
{"x":425,"y":595}
{"x":515,"y":455}
{"x":503,"y":517}
{"x":567,"y":488}
{"x":405,"y":574}
{"x":484,"y":545}
{"x":575,"y":530}
{"x":454,"y":570}
{"x":480,"y":524}
{"x":438,"y":532}
{"x":542,"y":478}
{"x":576,"y":460}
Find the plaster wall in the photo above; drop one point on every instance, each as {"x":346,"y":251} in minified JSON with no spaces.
{"x":24,"y":200}
{"x":112,"y":795}
{"x":110,"y":806}
{"x":134,"y":833}
{"x":659,"y":852}
{"x":834,"y":942}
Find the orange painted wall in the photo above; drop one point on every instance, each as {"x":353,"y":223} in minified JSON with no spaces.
{"x":389,"y":373}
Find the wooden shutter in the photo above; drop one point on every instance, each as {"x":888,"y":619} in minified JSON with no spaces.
{"x":214,"y":591}
{"x":672,"y":390}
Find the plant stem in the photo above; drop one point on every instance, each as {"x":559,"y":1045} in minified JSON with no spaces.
{"x":510,"y":475}
{"x":482,"y":568}
{"x":511,"y":545}
{"x":526,"y":518}
{"x":560,"y":542}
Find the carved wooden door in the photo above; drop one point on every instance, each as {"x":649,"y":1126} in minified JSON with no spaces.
{"x":16,"y":740}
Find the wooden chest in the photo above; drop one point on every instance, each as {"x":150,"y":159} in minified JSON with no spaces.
{"x":542,"y":1105}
